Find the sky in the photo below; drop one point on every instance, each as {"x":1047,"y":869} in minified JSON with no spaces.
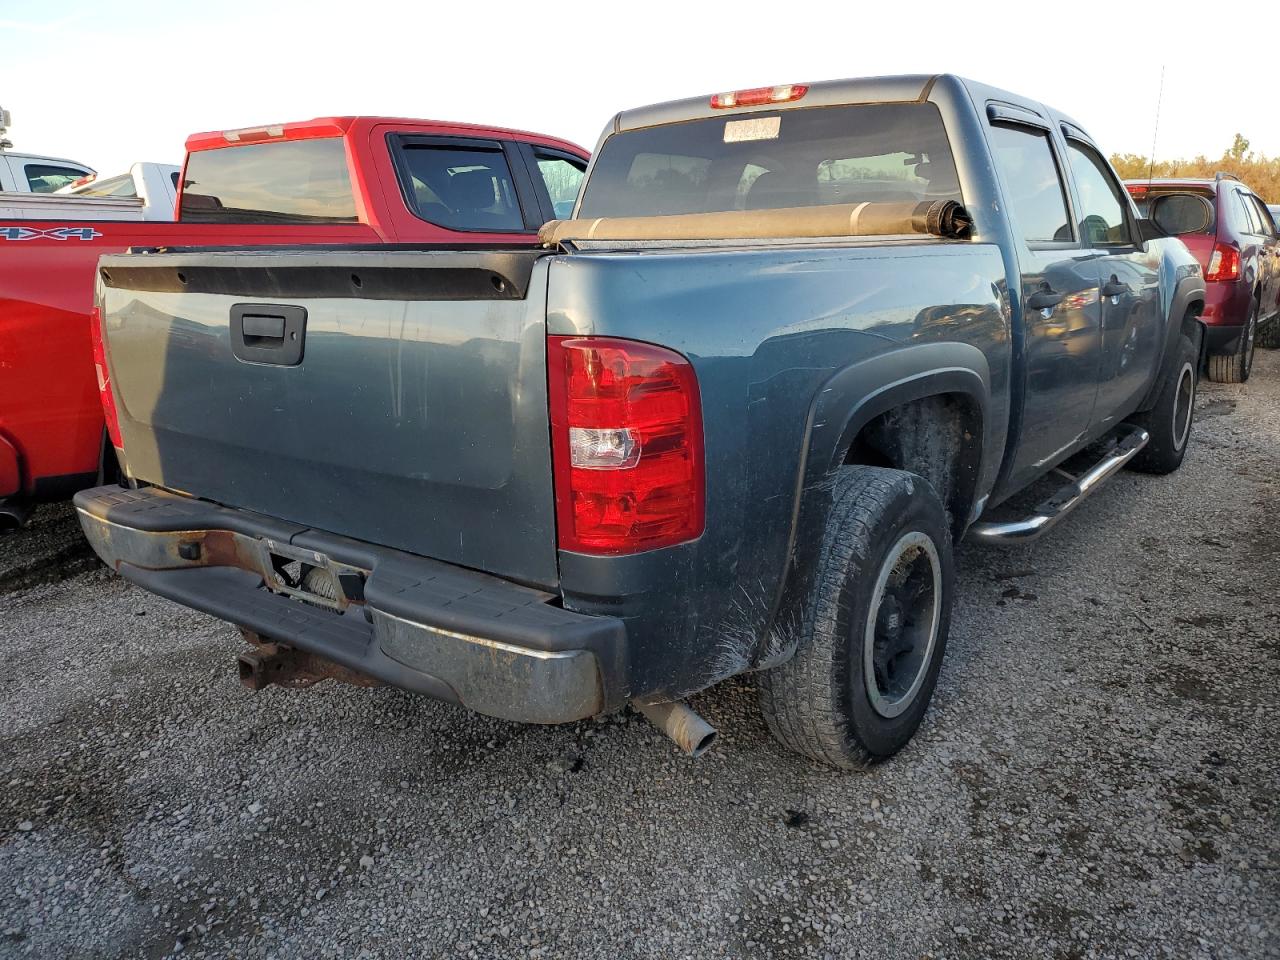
{"x":110,"y":83}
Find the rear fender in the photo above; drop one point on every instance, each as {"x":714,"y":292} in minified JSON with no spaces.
{"x":852,"y":398}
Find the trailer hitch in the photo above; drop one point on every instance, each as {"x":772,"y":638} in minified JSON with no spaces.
{"x":269,"y":662}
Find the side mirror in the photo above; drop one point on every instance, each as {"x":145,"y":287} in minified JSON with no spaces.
{"x":1177,"y":213}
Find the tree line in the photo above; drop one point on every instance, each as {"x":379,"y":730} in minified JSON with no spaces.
{"x":1259,"y":172}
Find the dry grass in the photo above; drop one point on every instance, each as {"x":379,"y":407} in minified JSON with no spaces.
{"x":1259,"y":172}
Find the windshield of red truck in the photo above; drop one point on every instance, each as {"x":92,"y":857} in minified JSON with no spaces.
{"x":895,"y":152}
{"x":285,"y":181}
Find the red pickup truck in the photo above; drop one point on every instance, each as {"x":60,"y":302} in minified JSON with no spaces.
{"x":334,"y":180}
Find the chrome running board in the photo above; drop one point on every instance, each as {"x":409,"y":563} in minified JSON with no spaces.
{"x":1067,"y":498}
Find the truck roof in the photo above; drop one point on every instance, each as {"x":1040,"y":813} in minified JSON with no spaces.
{"x":829,"y":93}
{"x":40,"y":156}
{"x":1156,"y":183}
{"x":341,"y":126}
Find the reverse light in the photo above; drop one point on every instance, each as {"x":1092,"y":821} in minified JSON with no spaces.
{"x":759,"y":95}
{"x":1224,"y":264}
{"x":96,"y":337}
{"x":626,"y":438}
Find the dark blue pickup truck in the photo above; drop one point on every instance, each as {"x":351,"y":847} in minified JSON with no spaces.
{"x":793,"y":345}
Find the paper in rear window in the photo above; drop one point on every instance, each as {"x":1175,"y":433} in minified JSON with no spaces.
{"x":284,"y":181}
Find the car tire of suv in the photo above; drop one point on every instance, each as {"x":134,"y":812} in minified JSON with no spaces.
{"x":1169,"y":421}
{"x":1269,"y":333}
{"x":873,"y":628}
{"x":1236,"y":367}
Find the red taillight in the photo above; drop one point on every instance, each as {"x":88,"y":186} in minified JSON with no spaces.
{"x":96,"y":336}
{"x":626,"y":437}
{"x":1224,"y":264}
{"x":756,"y":96}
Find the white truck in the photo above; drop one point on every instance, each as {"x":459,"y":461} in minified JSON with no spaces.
{"x":147,"y":192}
{"x":29,"y":173}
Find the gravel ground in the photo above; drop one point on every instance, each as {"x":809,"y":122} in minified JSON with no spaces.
{"x":1098,"y":777}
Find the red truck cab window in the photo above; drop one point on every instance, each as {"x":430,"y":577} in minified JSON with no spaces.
{"x":281,"y":181}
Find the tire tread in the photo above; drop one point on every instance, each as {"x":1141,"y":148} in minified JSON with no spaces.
{"x":800,"y":698}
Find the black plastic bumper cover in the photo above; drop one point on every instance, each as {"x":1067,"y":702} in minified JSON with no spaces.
{"x":493,"y":646}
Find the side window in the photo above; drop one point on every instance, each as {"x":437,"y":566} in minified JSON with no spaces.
{"x":562,"y":177}
{"x":462,"y":188}
{"x":1102,"y":219}
{"x":1264,"y":217}
{"x":1250,"y":221}
{"x":1269,"y":223}
{"x":46,"y":178}
{"x":1038,"y":203}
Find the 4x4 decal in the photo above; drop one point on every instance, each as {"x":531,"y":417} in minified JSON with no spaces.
{"x":49,"y":233}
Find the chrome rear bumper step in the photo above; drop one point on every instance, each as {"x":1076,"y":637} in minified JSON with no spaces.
{"x":1129,"y":441}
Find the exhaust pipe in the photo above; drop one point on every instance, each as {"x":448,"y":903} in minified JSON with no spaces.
{"x":14,"y":513}
{"x":677,"y":720}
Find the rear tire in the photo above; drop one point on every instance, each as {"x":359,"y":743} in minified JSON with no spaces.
{"x":1236,"y":367}
{"x":874,"y":626}
{"x":1169,"y":421}
{"x":1269,"y":333}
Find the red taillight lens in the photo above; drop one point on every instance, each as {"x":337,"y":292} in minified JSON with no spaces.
{"x":756,"y":96}
{"x":108,"y":399}
{"x":1224,"y":264}
{"x":626,"y":436}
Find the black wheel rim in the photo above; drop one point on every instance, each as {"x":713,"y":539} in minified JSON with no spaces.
{"x":1183,"y":405}
{"x":1250,"y":341}
{"x":901,"y":630}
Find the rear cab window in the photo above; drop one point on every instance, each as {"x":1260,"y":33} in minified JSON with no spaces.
{"x":283,"y":181}
{"x":799,"y":157}
{"x":121,"y":186}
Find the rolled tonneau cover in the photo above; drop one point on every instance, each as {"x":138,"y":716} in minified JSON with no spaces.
{"x":941,"y":218}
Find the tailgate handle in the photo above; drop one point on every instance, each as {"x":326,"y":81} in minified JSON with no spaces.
{"x":271,"y":333}
{"x":263,"y":327}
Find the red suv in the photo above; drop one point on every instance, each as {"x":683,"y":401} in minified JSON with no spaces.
{"x":1231,"y":232}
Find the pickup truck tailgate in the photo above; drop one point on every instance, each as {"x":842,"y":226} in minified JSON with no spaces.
{"x":393,"y":397}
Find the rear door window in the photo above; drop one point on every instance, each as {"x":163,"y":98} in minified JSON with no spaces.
{"x":285,"y":181}
{"x":460,"y":186}
{"x":562,"y":177}
{"x":1032,"y":183}
{"x":46,"y":178}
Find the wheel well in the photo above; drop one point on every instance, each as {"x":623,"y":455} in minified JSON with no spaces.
{"x":937,"y":437}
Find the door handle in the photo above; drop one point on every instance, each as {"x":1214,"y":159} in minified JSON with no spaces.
{"x":263,"y":327}
{"x":1044,"y":298}
{"x":1114,"y":288}
{"x":271,"y":333}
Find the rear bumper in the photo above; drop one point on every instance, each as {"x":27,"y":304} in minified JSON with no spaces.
{"x":1221,"y":340}
{"x":1226,"y":308}
{"x":488,"y":644}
